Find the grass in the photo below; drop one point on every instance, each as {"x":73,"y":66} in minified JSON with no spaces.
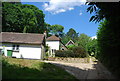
{"x":13,"y":68}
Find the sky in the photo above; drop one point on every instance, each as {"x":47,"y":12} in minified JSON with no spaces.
{"x":72,"y":14}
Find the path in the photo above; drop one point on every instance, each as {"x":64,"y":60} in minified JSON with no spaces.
{"x":92,"y":70}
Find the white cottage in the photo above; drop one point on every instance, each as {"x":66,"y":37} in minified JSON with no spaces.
{"x":23,"y":45}
{"x":54,"y":44}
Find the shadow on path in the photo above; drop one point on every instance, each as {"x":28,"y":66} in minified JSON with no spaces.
{"x":86,"y":71}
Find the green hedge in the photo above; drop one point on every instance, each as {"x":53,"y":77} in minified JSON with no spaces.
{"x":76,"y":52}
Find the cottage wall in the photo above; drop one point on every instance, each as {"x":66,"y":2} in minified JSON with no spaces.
{"x":53,"y":44}
{"x":25,"y":51}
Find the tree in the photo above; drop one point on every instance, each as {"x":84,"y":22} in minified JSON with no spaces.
{"x":22,"y":18}
{"x":92,"y":47}
{"x":72,"y":34}
{"x":65,"y":38}
{"x":83,"y":40}
{"x":56,"y":30}
{"x":103,"y":10}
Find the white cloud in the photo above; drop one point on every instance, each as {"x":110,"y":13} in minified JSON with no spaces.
{"x":58,"y":6}
{"x":71,"y":8}
{"x":80,"y":13}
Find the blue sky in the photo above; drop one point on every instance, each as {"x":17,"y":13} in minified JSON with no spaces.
{"x":69,"y":15}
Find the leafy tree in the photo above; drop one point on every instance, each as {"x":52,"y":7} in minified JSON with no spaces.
{"x":10,"y":17}
{"x":65,"y":38}
{"x":103,"y":10}
{"x":83,"y":40}
{"x":92,"y":47}
{"x":22,"y":18}
{"x":56,"y":30}
{"x":72,"y":34}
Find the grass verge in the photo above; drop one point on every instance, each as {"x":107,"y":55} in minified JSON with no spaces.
{"x":13,"y":68}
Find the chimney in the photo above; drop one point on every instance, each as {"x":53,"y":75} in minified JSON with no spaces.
{"x":45,"y":34}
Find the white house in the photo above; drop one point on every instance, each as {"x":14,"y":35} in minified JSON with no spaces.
{"x":54,"y":44}
{"x":23,"y":45}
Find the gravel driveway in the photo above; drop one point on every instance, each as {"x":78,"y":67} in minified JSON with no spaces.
{"x":92,"y":70}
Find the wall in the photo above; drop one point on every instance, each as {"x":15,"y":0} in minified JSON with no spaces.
{"x":53,"y":44}
{"x":72,"y":60}
{"x":25,"y":51}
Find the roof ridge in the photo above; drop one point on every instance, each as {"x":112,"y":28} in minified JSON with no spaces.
{"x":22,"y":33}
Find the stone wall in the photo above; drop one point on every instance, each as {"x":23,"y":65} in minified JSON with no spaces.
{"x":72,"y":60}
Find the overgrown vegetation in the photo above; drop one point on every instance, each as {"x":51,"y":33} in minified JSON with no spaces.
{"x":24,"y":69}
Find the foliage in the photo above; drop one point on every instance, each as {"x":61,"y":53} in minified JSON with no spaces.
{"x":56,"y":30}
{"x":32,"y":69}
{"x":92,"y":47}
{"x":70,"y":47}
{"x":65,"y":38}
{"x":108,"y":33}
{"x":64,"y":53}
{"x":108,"y":46}
{"x":80,"y":52}
{"x":83,"y":41}
{"x":75,"y":52}
{"x":22,"y":18}
{"x":103,"y":10}
{"x":70,"y":35}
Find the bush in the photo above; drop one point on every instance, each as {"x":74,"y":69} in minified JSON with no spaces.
{"x":70,"y":47}
{"x":63,"y":53}
{"x":76,"y":52}
{"x":80,"y":52}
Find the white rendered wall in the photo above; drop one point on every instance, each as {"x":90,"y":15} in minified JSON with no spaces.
{"x":26,"y":51}
{"x":53,"y":44}
{"x":30,"y":51}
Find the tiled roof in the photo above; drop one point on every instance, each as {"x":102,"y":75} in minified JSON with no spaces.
{"x":53,"y":38}
{"x":28,"y":38}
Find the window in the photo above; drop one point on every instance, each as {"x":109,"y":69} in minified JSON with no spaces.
{"x":15,"y":47}
{"x":53,"y":51}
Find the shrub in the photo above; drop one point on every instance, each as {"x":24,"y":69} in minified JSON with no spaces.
{"x":63,"y":53}
{"x":80,"y":52}
{"x":76,"y":52}
{"x":70,"y":47}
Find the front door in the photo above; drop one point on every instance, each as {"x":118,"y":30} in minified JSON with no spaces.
{"x":9,"y":53}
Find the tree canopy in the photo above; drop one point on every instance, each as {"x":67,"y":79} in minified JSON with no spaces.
{"x":56,"y":30}
{"x":108,"y":10}
{"x":70,"y":35}
{"x":22,"y":18}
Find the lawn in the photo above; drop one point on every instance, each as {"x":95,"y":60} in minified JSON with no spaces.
{"x":13,"y":68}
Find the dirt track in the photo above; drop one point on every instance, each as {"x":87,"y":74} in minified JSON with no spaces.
{"x":92,"y":70}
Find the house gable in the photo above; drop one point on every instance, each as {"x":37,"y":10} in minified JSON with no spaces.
{"x":70,"y":43}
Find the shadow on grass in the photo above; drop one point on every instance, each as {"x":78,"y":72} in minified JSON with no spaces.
{"x":48,"y":72}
